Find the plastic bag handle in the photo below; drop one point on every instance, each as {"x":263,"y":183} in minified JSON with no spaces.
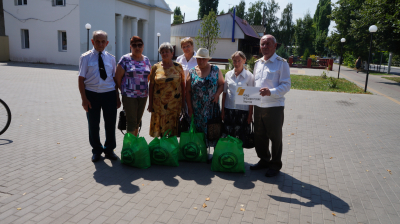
{"x":192,"y":126}
{"x":233,"y":139}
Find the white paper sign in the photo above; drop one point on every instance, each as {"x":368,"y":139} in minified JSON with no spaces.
{"x":246,"y":95}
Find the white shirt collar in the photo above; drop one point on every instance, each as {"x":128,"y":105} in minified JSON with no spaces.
{"x":271,"y":59}
{"x":243,"y":73}
{"x":97,"y":52}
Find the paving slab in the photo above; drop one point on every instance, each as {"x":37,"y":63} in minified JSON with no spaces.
{"x":337,"y":150}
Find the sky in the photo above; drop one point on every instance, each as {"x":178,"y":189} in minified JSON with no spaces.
{"x":300,"y":7}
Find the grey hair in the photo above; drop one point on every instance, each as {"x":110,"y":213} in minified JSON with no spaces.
{"x":166,"y":45}
{"x":240,"y":54}
{"x":273,"y":38}
{"x":99,"y":33}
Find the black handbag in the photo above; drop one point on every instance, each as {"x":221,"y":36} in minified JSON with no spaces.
{"x":214,"y":125}
{"x":183,"y":123}
{"x":248,"y":141}
{"x":122,"y":122}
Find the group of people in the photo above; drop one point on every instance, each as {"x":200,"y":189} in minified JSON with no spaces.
{"x":190,"y":85}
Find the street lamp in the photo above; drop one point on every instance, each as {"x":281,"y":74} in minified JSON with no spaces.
{"x":372,"y":30}
{"x":341,"y":57}
{"x":88,"y":26}
{"x":158,"y":53}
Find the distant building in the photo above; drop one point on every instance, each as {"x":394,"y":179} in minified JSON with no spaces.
{"x":259,"y":29}
{"x":245,"y":38}
{"x":53,"y":31}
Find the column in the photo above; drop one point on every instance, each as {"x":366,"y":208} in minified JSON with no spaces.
{"x":134,"y":22}
{"x":145,"y":37}
{"x":119,"y":35}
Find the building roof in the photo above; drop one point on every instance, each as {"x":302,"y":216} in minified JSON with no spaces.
{"x":190,"y":29}
{"x":258,"y":28}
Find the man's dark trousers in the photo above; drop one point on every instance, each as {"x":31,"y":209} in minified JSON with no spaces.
{"x":108,"y":103}
{"x":268,"y":124}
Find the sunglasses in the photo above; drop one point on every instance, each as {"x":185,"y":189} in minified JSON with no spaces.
{"x":137,"y":45}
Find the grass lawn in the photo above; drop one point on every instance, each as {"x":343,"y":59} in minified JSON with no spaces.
{"x":317,"y":83}
{"x":396,"y":79}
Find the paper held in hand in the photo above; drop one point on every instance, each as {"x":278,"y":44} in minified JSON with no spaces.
{"x":246,"y":95}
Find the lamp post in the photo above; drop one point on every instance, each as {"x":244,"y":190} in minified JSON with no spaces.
{"x":158,"y":53}
{"x":88,"y":26}
{"x":341,"y":57}
{"x":372,"y":30}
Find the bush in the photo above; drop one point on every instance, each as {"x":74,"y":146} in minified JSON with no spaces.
{"x":282,"y":52}
{"x":333,"y":82}
{"x":306,"y":54}
{"x":224,"y":71}
{"x":251,"y":63}
{"x":230,"y":64}
{"x":349,"y":60}
{"x":324,"y":75}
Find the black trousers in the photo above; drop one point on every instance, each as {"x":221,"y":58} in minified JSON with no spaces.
{"x":107,"y":102}
{"x":268,"y":124}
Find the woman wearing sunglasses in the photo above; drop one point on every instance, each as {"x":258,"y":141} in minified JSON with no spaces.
{"x":131,"y":76}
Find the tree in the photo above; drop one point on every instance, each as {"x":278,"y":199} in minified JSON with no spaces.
{"x":239,"y":9}
{"x":205,"y":6}
{"x":209,"y":32}
{"x":321,"y":24}
{"x":254,"y":13}
{"x":178,"y":18}
{"x":222,"y":12}
{"x":304,"y":34}
{"x":286,"y":26}
{"x":271,"y":21}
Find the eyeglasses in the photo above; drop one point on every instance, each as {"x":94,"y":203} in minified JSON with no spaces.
{"x":137,"y":45}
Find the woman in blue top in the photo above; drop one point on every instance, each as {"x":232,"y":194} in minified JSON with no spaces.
{"x":204,"y":85}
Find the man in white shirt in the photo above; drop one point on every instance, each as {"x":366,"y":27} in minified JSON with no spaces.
{"x":98,"y":92}
{"x":272,"y":74}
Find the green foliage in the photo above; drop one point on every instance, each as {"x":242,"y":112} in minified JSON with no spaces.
{"x":224,"y":71}
{"x":333,"y":82}
{"x":240,"y":9}
{"x":209,"y":32}
{"x":254,"y":12}
{"x":230,"y":62}
{"x":324,"y":75}
{"x":349,"y":60}
{"x":396,"y":79}
{"x":306,"y":54}
{"x":271,"y":21}
{"x":251,"y":63}
{"x":178,"y":18}
{"x":206,"y":6}
{"x":281,"y":51}
{"x":304,"y":34}
{"x":222,"y":12}
{"x":286,"y":26}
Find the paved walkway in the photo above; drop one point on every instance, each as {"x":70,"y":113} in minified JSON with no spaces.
{"x":337,"y":150}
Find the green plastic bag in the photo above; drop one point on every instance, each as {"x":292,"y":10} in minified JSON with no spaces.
{"x":192,"y":145}
{"x":164,"y":151}
{"x":228,"y":155}
{"x":135,"y":152}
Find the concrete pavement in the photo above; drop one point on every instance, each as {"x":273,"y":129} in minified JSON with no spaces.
{"x":337,"y":150}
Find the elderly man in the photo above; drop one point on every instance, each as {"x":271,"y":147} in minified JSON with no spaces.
{"x":98,"y":92}
{"x":272,"y":74}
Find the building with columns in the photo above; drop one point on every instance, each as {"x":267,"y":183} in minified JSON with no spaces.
{"x":53,"y":31}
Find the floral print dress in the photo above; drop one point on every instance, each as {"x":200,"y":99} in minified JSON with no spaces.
{"x":167,"y":99}
{"x":203,"y":90}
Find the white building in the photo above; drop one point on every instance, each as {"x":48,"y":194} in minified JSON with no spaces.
{"x":53,"y":31}
{"x":245,"y":38}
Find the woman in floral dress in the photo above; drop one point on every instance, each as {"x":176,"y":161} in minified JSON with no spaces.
{"x":204,"y":85}
{"x":166,"y":93}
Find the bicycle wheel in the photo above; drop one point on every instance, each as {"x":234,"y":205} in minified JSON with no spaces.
{"x":5,"y":117}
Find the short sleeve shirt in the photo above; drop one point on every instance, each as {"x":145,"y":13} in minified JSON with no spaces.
{"x":134,"y":83}
{"x":245,"y":78}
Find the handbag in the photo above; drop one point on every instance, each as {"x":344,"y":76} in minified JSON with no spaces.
{"x":183,"y":123}
{"x":214,"y":125}
{"x":248,"y":141}
{"x":122,"y":122}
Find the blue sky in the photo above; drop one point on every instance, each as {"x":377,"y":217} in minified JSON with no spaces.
{"x":300,"y":7}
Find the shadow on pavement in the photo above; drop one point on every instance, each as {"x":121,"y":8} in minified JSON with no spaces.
{"x":43,"y":66}
{"x":391,"y":83}
{"x":5,"y":141}
{"x":122,"y":175}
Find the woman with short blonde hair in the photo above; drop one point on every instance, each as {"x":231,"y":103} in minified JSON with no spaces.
{"x":237,"y":118}
{"x":186,"y":59}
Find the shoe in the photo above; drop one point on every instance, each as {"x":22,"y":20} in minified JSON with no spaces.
{"x":96,"y":157}
{"x":111,"y":156}
{"x":259,"y":166}
{"x":271,"y":173}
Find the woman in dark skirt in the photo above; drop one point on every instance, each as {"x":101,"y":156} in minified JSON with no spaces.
{"x":237,"y":118}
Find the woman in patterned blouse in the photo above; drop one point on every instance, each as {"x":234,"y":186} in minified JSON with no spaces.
{"x":132,"y":79}
{"x":166,"y":96}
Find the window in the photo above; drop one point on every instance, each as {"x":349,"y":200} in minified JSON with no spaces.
{"x":58,"y":2}
{"x":25,"y":39}
{"x":21,"y":2}
{"x":62,"y":41}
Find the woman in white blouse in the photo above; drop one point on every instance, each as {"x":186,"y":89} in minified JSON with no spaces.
{"x":186,"y":59}
{"x":237,"y":118}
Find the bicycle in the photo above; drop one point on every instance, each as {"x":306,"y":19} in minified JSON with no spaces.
{"x":5,"y":117}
